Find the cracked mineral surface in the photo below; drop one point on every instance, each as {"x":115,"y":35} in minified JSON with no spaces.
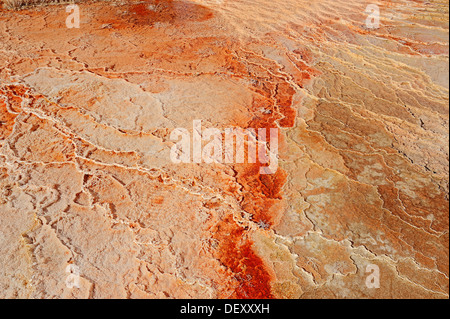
{"x":89,"y":193}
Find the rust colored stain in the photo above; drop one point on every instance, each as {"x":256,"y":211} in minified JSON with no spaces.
{"x":11,"y":97}
{"x":158,"y":11}
{"x":237,"y":254}
{"x":260,"y":193}
{"x":289,"y":114}
{"x":158,"y":200}
{"x":284,"y":97}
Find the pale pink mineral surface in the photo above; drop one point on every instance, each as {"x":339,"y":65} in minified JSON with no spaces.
{"x":88,"y":188}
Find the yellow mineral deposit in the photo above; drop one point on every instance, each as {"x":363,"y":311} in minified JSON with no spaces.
{"x":92,"y":206}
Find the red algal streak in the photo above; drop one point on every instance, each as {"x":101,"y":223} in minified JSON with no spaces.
{"x":12,"y":96}
{"x":260,"y":193}
{"x":237,"y":254}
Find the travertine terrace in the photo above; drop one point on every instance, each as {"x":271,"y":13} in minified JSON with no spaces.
{"x":86,"y":178}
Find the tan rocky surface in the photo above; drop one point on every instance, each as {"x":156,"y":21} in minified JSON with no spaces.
{"x":86,"y":177}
